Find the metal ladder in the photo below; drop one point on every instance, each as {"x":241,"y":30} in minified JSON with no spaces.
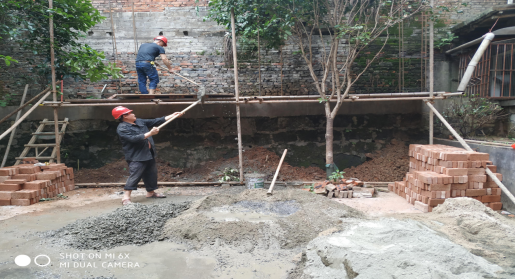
{"x":39,"y":134}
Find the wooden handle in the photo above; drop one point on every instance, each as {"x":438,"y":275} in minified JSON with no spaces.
{"x":173,"y":118}
{"x":163,"y":68}
{"x":277,"y":172}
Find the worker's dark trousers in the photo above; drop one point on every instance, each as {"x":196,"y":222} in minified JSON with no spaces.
{"x":142,"y":169}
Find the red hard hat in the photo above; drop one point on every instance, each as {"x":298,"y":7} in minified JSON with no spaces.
{"x":162,"y":39}
{"x":119,"y":111}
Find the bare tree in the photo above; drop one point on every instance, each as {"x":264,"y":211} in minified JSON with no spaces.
{"x":331,"y":34}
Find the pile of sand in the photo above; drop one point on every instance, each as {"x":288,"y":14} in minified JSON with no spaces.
{"x":389,"y":248}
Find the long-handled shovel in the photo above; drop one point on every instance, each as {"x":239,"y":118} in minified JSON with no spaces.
{"x":200,"y":95}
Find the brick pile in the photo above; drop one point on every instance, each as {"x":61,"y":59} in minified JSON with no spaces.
{"x":26,"y":184}
{"x":438,"y":172}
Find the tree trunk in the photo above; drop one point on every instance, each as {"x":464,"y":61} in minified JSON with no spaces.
{"x":329,"y":158}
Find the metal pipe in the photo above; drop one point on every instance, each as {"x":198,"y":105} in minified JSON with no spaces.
{"x":237,"y":92}
{"x":114,"y":42}
{"x":51,"y":104}
{"x":14,"y":130}
{"x":431,"y":72}
{"x":474,"y":61}
{"x":52,"y":60}
{"x":25,"y":115}
{"x":471,"y":43}
{"x":483,"y":142}
{"x":467,"y":147}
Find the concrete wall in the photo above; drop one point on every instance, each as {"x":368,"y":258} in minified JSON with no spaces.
{"x":503,"y":158}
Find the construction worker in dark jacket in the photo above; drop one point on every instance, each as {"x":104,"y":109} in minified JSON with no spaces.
{"x":139,"y":149}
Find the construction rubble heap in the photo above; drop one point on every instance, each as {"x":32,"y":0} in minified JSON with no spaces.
{"x":27,"y":183}
{"x":438,"y":172}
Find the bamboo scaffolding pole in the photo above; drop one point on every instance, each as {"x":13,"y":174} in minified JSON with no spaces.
{"x":134,"y":30}
{"x":14,"y":130}
{"x":483,"y":142}
{"x":467,"y":147}
{"x":237,"y":92}
{"x":54,"y":95}
{"x":431,"y":72}
{"x":166,"y":183}
{"x":26,"y":104}
{"x":58,"y":104}
{"x":25,"y":115}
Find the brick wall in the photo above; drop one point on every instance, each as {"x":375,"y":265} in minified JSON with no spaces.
{"x":195,"y":46}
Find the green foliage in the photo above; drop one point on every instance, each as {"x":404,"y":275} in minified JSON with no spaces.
{"x":8,"y":60}
{"x":337,"y":175}
{"x":471,"y":114}
{"x":26,"y":23}
{"x":446,"y":40}
{"x":229,"y":174}
{"x":266,"y":17}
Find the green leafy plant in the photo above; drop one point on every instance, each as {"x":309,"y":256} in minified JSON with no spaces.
{"x":25,"y":23}
{"x":336,"y":176}
{"x":229,"y":174}
{"x":310,"y":187}
{"x":445,"y":40}
{"x":470,"y":114}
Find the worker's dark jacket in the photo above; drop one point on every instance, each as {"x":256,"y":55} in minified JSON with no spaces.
{"x":134,"y":144}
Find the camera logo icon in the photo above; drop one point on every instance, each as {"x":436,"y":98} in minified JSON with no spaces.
{"x":39,"y":260}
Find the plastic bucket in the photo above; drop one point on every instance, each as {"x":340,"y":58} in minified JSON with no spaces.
{"x":255,"y":180}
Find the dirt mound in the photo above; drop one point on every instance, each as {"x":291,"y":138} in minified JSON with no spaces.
{"x":245,"y":220}
{"x":131,"y":224}
{"x":257,"y":159}
{"x":388,"y":164}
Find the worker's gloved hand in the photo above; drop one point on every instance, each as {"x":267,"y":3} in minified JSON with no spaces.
{"x":154,"y":131}
{"x":178,"y":113}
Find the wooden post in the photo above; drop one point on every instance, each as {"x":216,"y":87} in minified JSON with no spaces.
{"x":277,"y":173}
{"x":467,"y":147}
{"x":114,"y":42}
{"x":54,"y":95}
{"x":237,"y":92}
{"x":431,"y":72}
{"x":14,"y":130}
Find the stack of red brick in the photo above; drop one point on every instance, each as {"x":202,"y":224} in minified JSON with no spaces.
{"x":438,"y":172}
{"x":26,"y":184}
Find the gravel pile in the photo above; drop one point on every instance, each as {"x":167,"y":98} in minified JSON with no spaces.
{"x":135,"y":224}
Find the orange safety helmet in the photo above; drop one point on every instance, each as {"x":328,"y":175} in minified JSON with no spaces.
{"x":119,"y":111}
{"x":162,"y":39}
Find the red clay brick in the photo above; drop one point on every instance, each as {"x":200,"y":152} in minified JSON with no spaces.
{"x":435,"y":202}
{"x":5,"y":202}
{"x":4,"y":178}
{"x":475,"y":192}
{"x":496,"y":205}
{"x":21,"y":202}
{"x":5,"y":195}
{"x":439,"y":187}
{"x":478,"y":156}
{"x":10,"y":187}
{"x":28,"y":177}
{"x":491,"y":198}
{"x":459,"y":186}
{"x":477,"y":178}
{"x":498,"y":175}
{"x":46,"y":176}
{"x":15,"y":181}
{"x":29,"y":170}
{"x":456,"y":172}
{"x":492,"y":168}
{"x":476,"y":171}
